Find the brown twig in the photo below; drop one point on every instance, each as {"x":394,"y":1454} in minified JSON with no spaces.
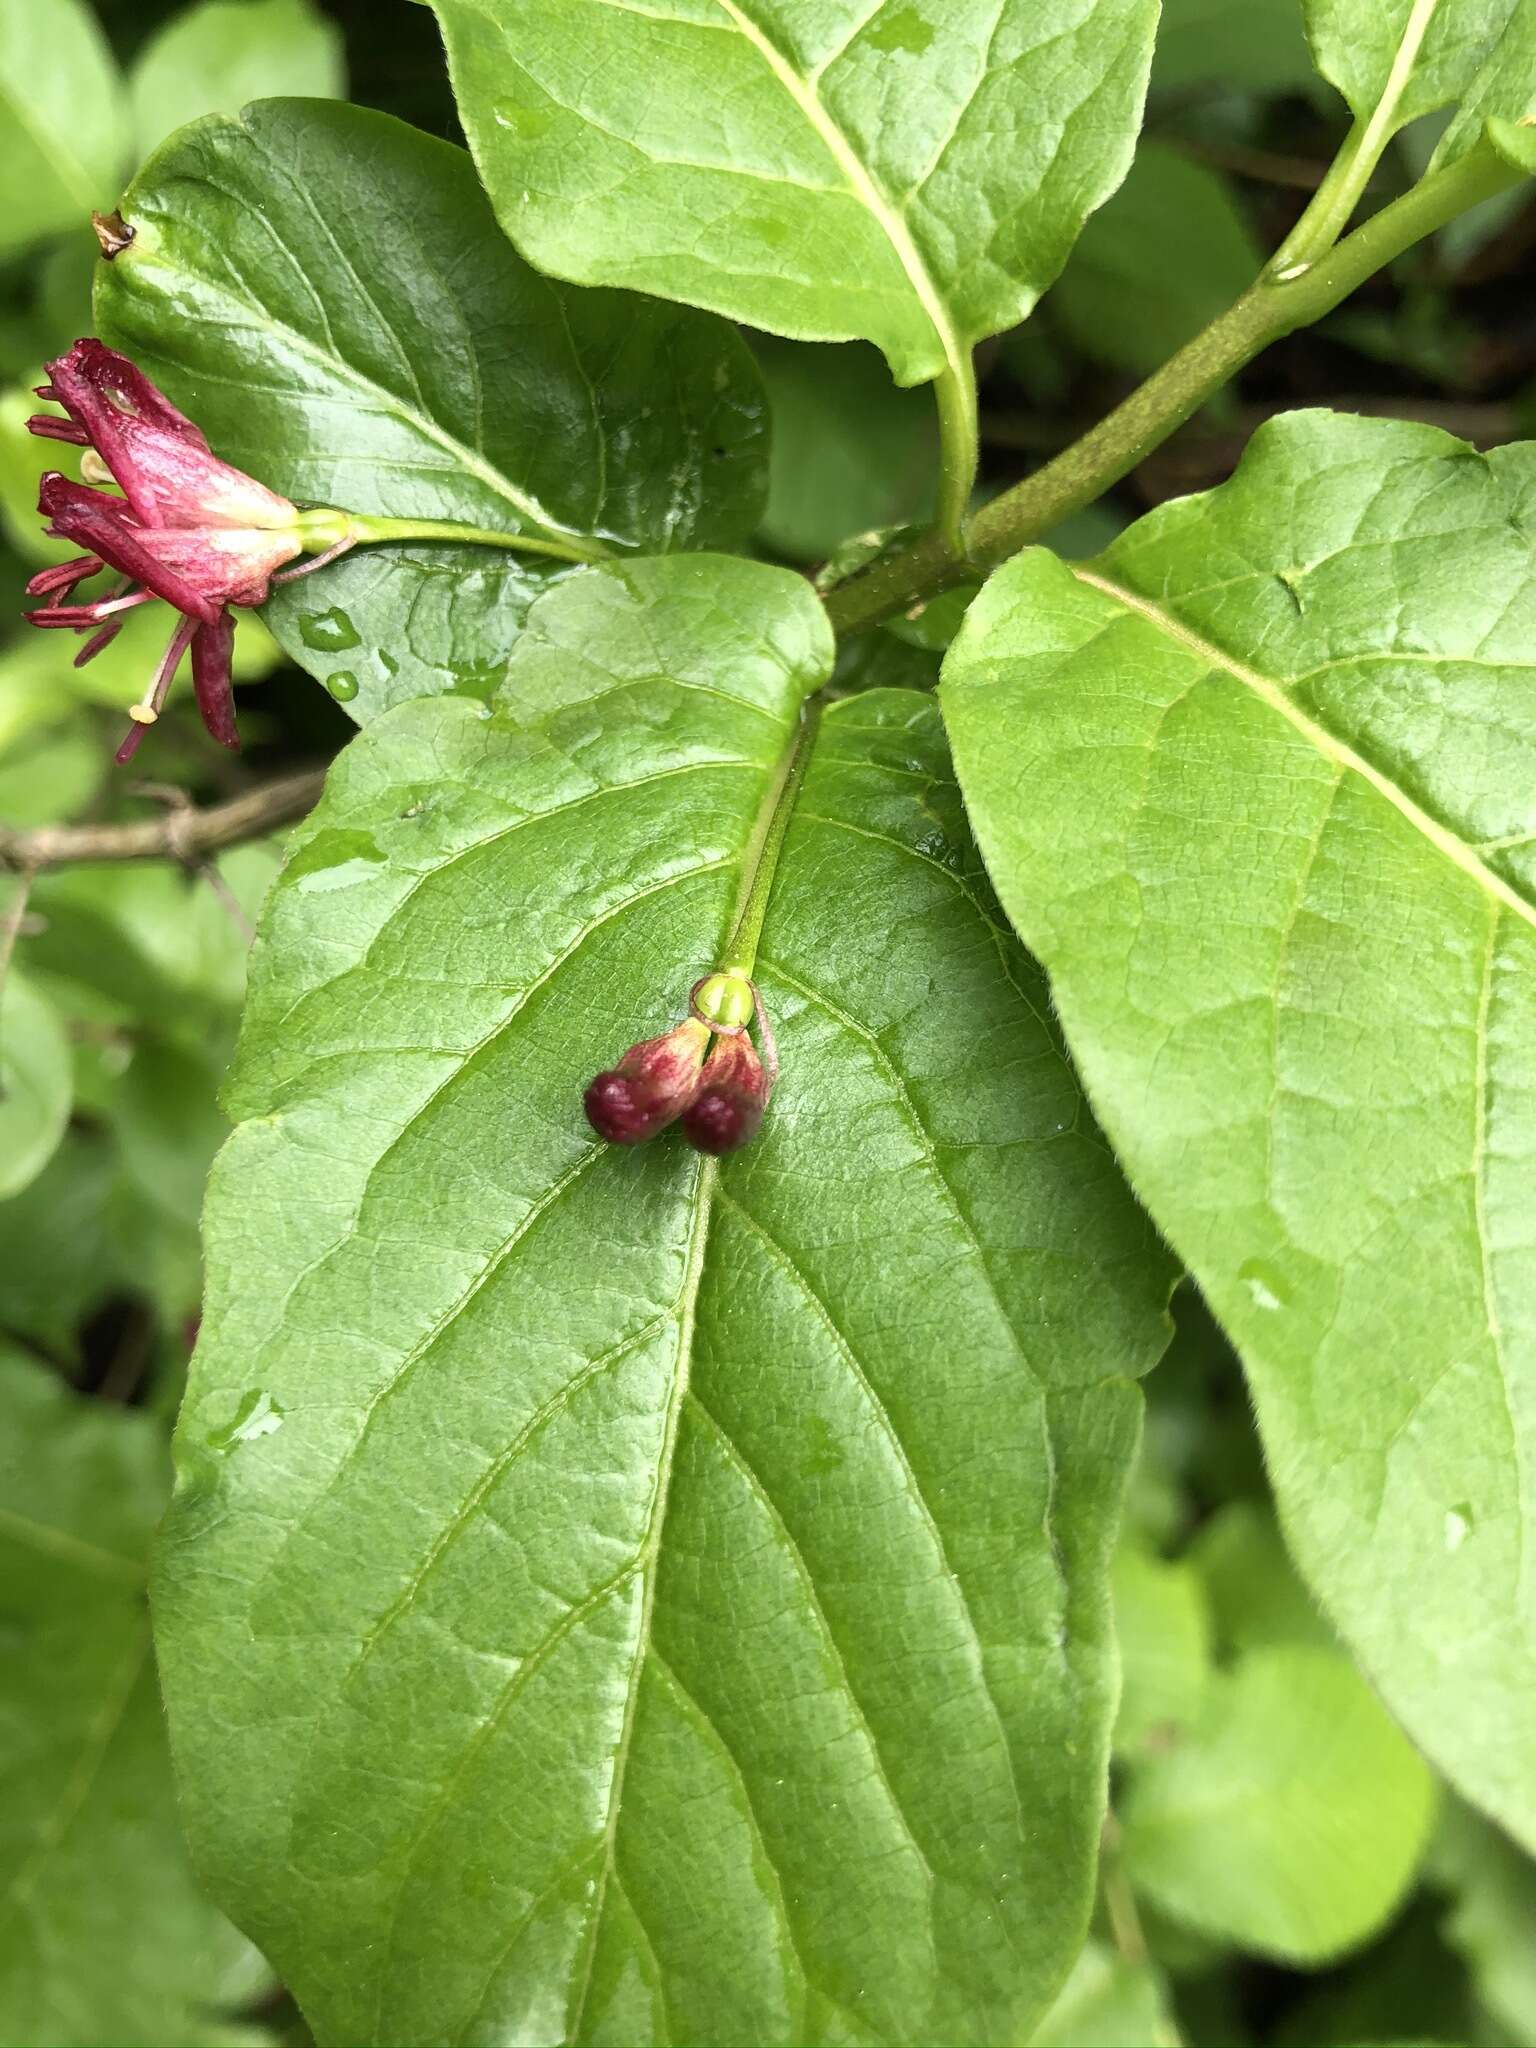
{"x":183,"y":834}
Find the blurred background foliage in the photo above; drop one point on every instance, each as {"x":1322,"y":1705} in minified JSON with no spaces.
{"x":1280,"y":1866}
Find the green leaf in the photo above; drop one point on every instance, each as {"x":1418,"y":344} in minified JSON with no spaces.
{"x":1259,"y":789}
{"x":1291,"y":1820}
{"x":212,"y":58}
{"x":289,"y":284}
{"x":681,"y":1588}
{"x":34,"y":1082}
{"x":63,"y":116}
{"x":1174,"y":244}
{"x":1231,"y":45}
{"x":386,"y":624}
{"x":850,"y":453}
{"x":1108,"y":2002}
{"x":1163,"y":1627}
{"x":1254,"y":1594}
{"x":104,"y":1935}
{"x":1394,"y":60}
{"x":1494,"y":1887}
{"x":911,"y":174}
{"x":55,"y":1263}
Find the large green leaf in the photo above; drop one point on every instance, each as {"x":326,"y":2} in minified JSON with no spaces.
{"x":613,"y":1596}
{"x":1394,"y":60}
{"x":103,"y":1933}
{"x":1259,"y":788}
{"x":326,"y":291}
{"x":911,"y":173}
{"x":62,"y":116}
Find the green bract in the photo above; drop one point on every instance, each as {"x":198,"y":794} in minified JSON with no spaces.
{"x":681,"y":1587}
{"x":1259,"y":787}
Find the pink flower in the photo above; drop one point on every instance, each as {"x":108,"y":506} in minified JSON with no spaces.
{"x":188,"y":529}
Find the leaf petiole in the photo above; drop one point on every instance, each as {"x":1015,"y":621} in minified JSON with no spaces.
{"x":565,"y":547}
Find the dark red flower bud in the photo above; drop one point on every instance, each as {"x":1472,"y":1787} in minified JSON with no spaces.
{"x":653,"y":1083}
{"x":732,"y":1094}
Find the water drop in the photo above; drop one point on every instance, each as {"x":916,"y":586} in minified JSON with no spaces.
{"x":388,"y":663}
{"x":1459,"y":1522}
{"x":327,"y":632}
{"x":257,"y":1415}
{"x":1264,"y":1284}
{"x":342,"y":685}
{"x":526,"y":123}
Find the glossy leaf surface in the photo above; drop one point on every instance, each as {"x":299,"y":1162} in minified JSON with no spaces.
{"x":910,"y":174}
{"x":1259,"y":788}
{"x":327,"y":292}
{"x":681,"y":1588}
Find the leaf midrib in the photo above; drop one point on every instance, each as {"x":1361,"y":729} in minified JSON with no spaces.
{"x":342,"y":371}
{"x":1458,"y":851}
{"x":887,"y":216}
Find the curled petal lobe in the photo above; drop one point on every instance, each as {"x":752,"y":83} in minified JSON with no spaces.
{"x":212,"y":648}
{"x":101,"y":523}
{"x":650,"y":1086}
{"x":732,"y":1094}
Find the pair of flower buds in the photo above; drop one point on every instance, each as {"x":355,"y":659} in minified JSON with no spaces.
{"x":719,"y":1100}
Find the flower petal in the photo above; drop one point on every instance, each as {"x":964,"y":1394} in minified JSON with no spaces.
{"x":212,"y":647}
{"x":102,"y":524}
{"x":162,"y":460}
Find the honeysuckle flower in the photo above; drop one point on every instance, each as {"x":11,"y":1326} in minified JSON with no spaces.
{"x":720,"y":1100}
{"x":728,"y":1104}
{"x":651,"y":1085}
{"x":189,"y":530}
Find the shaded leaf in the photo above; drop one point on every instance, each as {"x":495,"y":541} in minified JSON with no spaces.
{"x":1172,"y":243}
{"x":1259,"y":788}
{"x":911,"y":174}
{"x":213,"y":57}
{"x":34,"y":1081}
{"x":65,"y":131}
{"x":1490,"y":1923}
{"x":1291,"y":1819}
{"x":103,"y":1933}
{"x":682,"y":1587}
{"x":1163,"y":1627}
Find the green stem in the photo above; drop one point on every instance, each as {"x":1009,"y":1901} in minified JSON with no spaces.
{"x":959,"y":439}
{"x":1271,"y":308}
{"x":767,"y":843}
{"x":365,"y":527}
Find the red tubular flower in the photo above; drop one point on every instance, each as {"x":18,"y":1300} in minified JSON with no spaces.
{"x":188,"y":528}
{"x":732,"y":1095}
{"x":653,"y":1083}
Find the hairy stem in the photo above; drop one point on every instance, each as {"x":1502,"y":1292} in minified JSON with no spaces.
{"x":1272,"y":307}
{"x":740,"y":956}
{"x":565,"y":547}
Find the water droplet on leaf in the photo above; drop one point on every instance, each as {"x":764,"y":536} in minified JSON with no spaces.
{"x":1263,"y":1283}
{"x":327,"y":632}
{"x":342,"y":685}
{"x":1459,"y":1524}
{"x":257,"y":1415}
